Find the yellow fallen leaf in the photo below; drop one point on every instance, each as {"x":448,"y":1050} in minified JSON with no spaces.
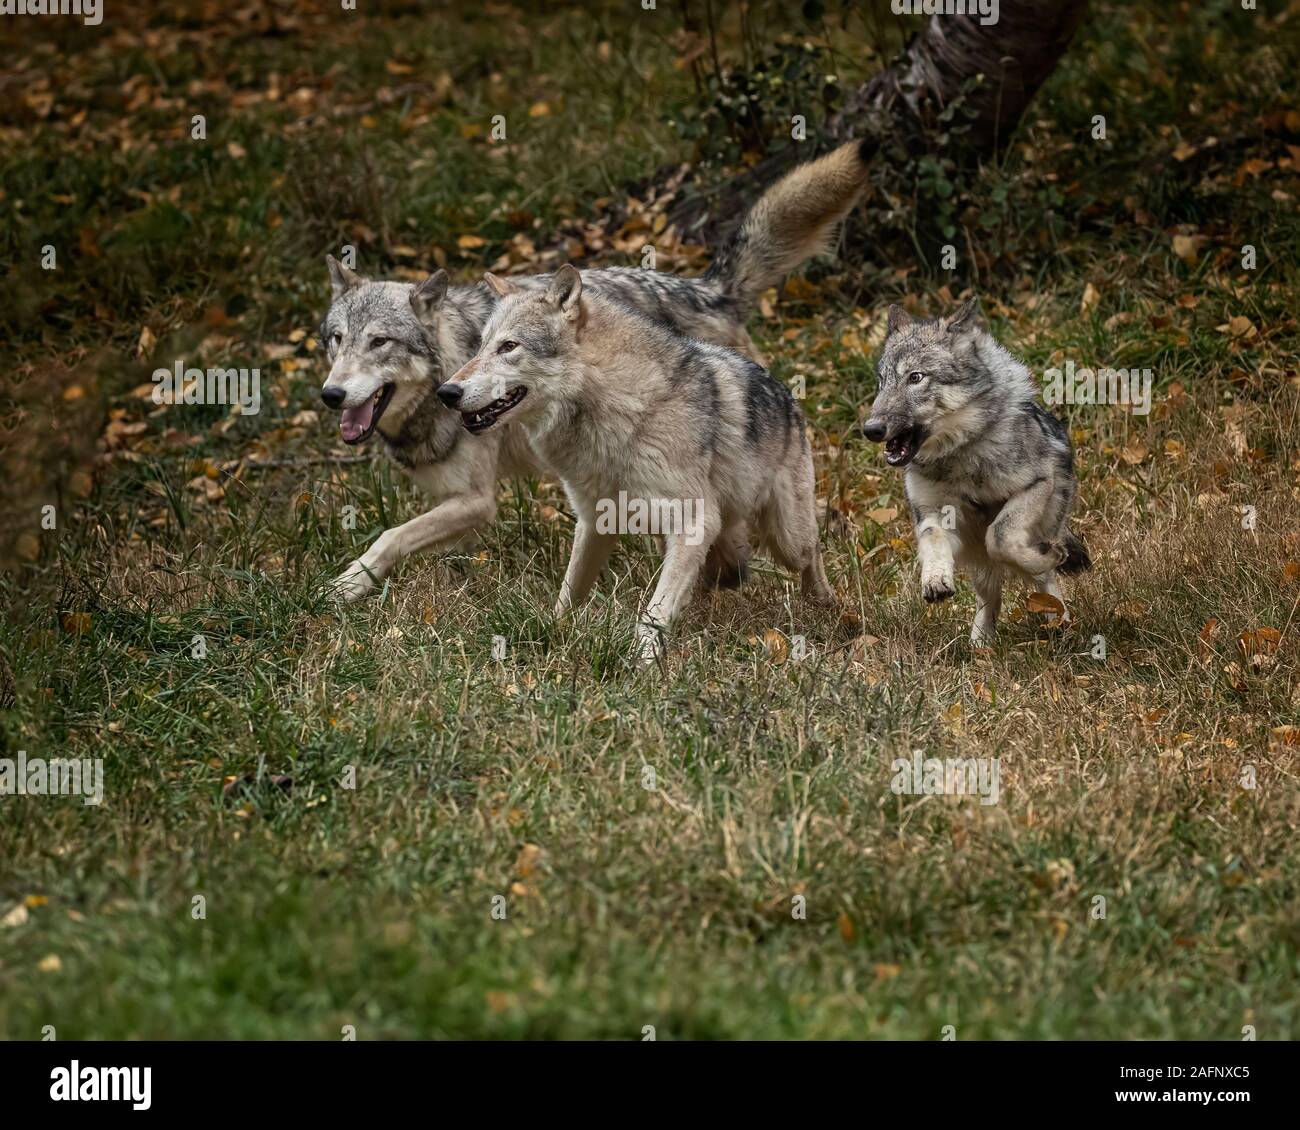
{"x":1044,"y":602}
{"x":774,"y":643}
{"x":529,"y":857}
{"x":1133,"y":452}
{"x":1261,"y":641}
{"x":75,"y":623}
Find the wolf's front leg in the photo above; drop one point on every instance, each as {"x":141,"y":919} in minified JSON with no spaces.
{"x":933,"y":547}
{"x":682,"y":564}
{"x":446,"y":525}
{"x":591,"y":550}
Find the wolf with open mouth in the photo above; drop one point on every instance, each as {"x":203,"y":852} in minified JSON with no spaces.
{"x":989,"y":472}
{"x":617,"y":404}
{"x":390,"y":345}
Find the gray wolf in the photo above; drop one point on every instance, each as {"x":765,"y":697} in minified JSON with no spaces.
{"x":390,"y":345}
{"x":989,"y":471}
{"x":617,"y":403}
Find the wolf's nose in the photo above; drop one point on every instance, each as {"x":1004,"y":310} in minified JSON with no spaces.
{"x":874,"y":430}
{"x":333,"y":396}
{"x":450,"y":394}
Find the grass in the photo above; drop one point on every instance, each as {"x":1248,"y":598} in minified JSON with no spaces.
{"x":526,"y":778}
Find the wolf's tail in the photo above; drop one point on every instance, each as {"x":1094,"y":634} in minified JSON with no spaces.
{"x":1076,"y":556}
{"x":792,"y":221}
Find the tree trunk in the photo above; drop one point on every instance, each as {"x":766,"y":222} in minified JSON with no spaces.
{"x":999,"y":67}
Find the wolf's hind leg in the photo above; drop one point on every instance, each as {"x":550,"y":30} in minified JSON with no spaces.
{"x":1023,"y":534}
{"x":987,"y":582}
{"x":787,"y":526}
{"x":727,"y":566}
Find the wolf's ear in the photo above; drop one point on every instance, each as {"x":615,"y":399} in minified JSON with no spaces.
{"x":500,"y":287}
{"x":899,"y":319}
{"x":965,"y":319}
{"x":428,"y":296}
{"x":565,"y":291}
{"x":342,"y":278}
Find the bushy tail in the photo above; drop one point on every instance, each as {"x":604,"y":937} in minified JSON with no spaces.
{"x":1076,"y":556}
{"x":792,"y":221}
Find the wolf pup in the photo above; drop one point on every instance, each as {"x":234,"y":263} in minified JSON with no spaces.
{"x":391,"y":344}
{"x":990,"y":472}
{"x":621,"y":407}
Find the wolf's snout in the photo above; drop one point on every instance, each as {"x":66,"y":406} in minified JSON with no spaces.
{"x":875,"y":430}
{"x":450,"y":394}
{"x":333,"y":396}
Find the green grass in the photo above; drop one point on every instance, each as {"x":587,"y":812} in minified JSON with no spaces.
{"x":526,"y":778}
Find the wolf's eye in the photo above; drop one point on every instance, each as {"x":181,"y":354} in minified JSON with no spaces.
{"x":378,"y":342}
{"x":336,"y":339}
{"x":507,"y":347}
{"x":915,"y":377}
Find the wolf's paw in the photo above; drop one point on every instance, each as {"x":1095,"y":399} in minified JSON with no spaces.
{"x":937,"y":585}
{"x":983,"y":635}
{"x":1054,"y":551}
{"x":649,"y":644}
{"x":355,"y":582}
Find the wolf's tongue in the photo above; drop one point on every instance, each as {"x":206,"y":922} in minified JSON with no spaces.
{"x":354,"y":421}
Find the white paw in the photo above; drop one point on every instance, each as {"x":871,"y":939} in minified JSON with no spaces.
{"x":983,"y":635}
{"x":355,"y":582}
{"x":937,"y":583}
{"x":649,"y":644}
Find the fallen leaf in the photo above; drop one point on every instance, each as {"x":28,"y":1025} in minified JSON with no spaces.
{"x":75,"y":623}
{"x":774,"y":643}
{"x":1044,"y":602}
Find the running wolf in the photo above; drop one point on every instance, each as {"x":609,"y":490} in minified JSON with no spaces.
{"x":990,"y":472}
{"x":619,"y":405}
{"x":390,"y":345}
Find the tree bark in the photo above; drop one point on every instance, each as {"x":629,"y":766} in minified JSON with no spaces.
{"x":1000,"y":67}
